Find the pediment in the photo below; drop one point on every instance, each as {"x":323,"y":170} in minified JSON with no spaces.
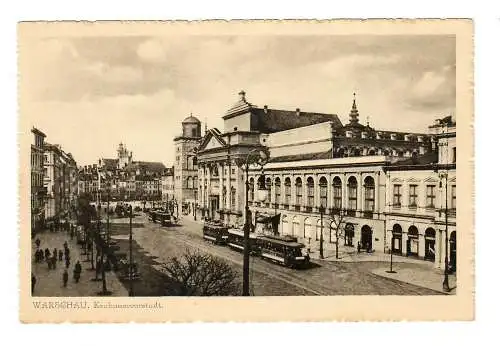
{"x":431,"y":180}
{"x":212,"y":140}
{"x":397,"y":180}
{"x":413,"y":180}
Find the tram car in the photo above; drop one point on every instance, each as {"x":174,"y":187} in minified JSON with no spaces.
{"x":236,"y":241}
{"x":164,"y":218}
{"x":283,"y":250}
{"x":216,"y":233}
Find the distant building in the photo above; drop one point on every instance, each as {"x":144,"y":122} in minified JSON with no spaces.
{"x":38,"y":191}
{"x":186,"y":165}
{"x":122,"y":178}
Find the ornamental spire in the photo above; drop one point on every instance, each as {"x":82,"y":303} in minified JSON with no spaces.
{"x":354,"y":115}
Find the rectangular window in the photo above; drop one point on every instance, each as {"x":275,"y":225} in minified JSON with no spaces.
{"x":431,"y":196}
{"x":453,"y":197}
{"x":412,"y":203}
{"x":454,"y":155}
{"x":299,"y":195}
{"x":396,"y":200}
{"x":370,"y":198}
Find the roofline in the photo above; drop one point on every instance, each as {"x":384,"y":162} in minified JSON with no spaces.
{"x":425,"y":167}
{"x":337,"y":162}
{"x":38,"y":132}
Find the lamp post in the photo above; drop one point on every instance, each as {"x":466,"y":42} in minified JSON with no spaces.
{"x":195,"y":204}
{"x":105,"y":246}
{"x":321,"y":212}
{"x":261,"y":195}
{"x":446,"y":286}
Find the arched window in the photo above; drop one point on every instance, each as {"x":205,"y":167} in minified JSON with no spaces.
{"x":277,"y":191}
{"x":284,"y":225}
{"x":352,"y":187}
{"x":195,"y":161}
{"x":268,"y":188}
{"x":323,"y":192}
{"x":288,"y":191}
{"x":189,"y":182}
{"x":308,"y":230}
{"x":195,"y":182}
{"x":310,"y":192}
{"x":387,"y":152}
{"x":337,"y":193}
{"x":372,"y":152}
{"x":412,"y":246}
{"x":319,"y":227}
{"x":298,"y":191}
{"x":356,"y":152}
{"x":251,"y":189}
{"x":295,"y":225}
{"x":369,"y":194}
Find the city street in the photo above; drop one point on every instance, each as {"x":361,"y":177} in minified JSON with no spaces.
{"x":155,"y":244}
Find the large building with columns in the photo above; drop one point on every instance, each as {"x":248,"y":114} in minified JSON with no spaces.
{"x":314,"y":161}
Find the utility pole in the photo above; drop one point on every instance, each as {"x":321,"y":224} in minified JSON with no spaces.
{"x":321,"y":211}
{"x":246,"y":240}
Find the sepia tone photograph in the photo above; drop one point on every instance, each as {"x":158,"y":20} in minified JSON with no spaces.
{"x":243,"y":162}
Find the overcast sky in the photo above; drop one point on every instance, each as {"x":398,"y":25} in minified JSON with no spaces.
{"x":94,"y":92}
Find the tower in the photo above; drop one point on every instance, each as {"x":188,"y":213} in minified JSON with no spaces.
{"x":124,"y":156}
{"x":354,"y":115}
{"x":185,"y":164}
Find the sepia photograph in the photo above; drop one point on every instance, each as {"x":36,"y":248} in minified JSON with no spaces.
{"x":238,"y":160}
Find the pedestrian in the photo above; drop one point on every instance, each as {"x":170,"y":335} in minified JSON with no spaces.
{"x":49,"y":262}
{"x":33,"y":283}
{"x":37,"y":242}
{"x":54,"y":253}
{"x":359,"y":247}
{"x":65,"y":278}
{"x":47,"y":253}
{"x":67,"y":262}
{"x":66,"y":253}
{"x":60,"y":255}
{"x":71,"y":234}
{"x":54,"y":262}
{"x":65,"y":244}
{"x":77,"y":271}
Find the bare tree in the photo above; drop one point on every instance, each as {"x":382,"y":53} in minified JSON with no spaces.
{"x":200,"y":274}
{"x":338,"y":216}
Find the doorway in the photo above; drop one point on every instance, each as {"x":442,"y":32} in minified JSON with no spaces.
{"x":430,"y":245}
{"x":366,"y":238}
{"x":397,"y":239}
{"x":453,"y":252}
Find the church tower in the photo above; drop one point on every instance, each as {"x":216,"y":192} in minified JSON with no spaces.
{"x":185,"y":164}
{"x":124,"y":156}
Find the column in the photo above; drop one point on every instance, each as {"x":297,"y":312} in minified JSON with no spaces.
{"x":376,"y":195}
{"x":220,"y":167}
{"x":316,"y":193}
{"x":238,"y":188}
{"x":293,"y":191}
{"x":345,"y":199}
{"x":228,"y":186}
{"x":404,"y":239}
{"x":329,"y":191}
{"x":272,"y":198}
{"x":421,"y":241}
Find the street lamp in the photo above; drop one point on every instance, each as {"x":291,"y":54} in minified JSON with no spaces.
{"x":446,"y":286}
{"x":105,"y":246}
{"x":391,"y":271}
{"x":261,"y":196}
{"x":195,"y":204}
{"x":321,"y":212}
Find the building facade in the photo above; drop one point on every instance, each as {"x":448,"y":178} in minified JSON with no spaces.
{"x":167,"y":185}
{"x":186,"y":164}
{"x":59,"y":180}
{"x":38,"y":191}
{"x":422,"y":200}
{"x":320,"y":171}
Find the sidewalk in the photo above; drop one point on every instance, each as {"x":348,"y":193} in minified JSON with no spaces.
{"x":49,"y":282}
{"x":422,"y":277}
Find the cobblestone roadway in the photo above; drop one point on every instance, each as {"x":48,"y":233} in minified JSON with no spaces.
{"x":272,"y":279}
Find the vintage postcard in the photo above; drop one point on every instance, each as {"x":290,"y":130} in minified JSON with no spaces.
{"x":246,"y":171}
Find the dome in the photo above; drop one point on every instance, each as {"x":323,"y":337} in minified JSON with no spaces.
{"x":191,"y":120}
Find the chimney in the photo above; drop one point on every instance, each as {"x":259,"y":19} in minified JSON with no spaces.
{"x":297,"y":111}
{"x":265,"y":109}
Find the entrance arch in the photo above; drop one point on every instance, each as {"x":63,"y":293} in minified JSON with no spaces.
{"x":284,"y":225}
{"x":430,"y":244}
{"x":349,"y":234}
{"x":397,"y":239}
{"x":366,"y":238}
{"x":412,"y":242}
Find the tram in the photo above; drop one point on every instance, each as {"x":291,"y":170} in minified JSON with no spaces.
{"x":216,"y":233}
{"x":236,"y":239}
{"x":283,"y":250}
